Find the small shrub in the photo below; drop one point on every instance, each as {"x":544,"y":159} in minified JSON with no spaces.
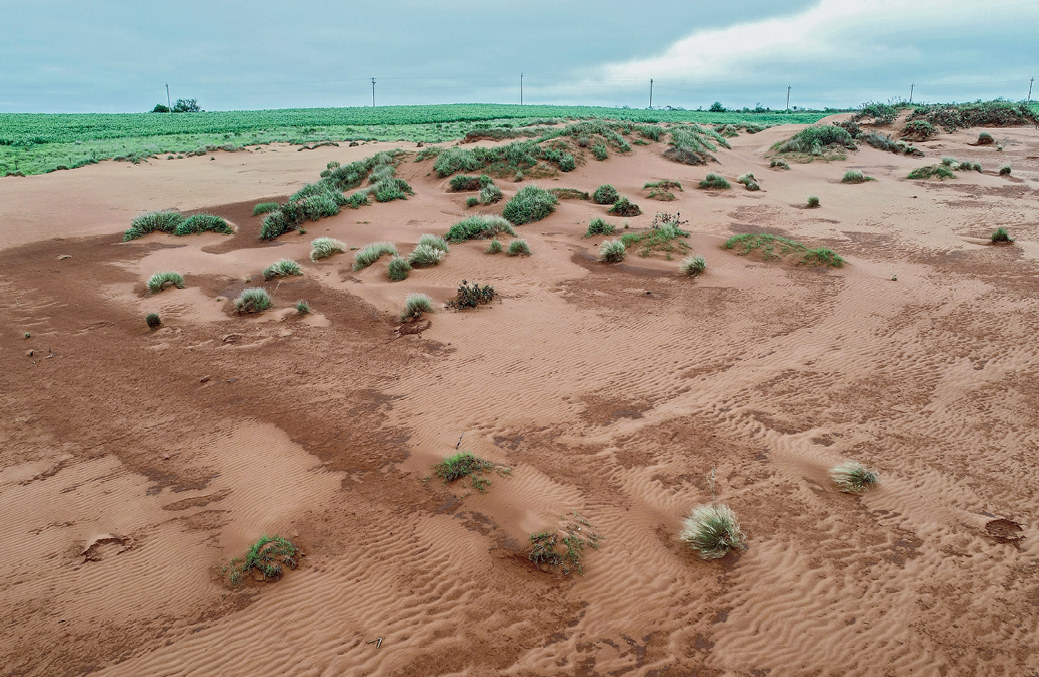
{"x":425,"y":255}
{"x":817,"y":141}
{"x":392,"y":189}
{"x":471,"y":201}
{"x":624,"y":207}
{"x":471,"y":295}
{"x":283,"y":268}
{"x":479,"y":227}
{"x":518,"y":248}
{"x":821,"y":257}
{"x":302,"y":307}
{"x":985,"y":139}
{"x":612,"y":251}
{"x":489,"y":194}
{"x":745,"y":179}
{"x":715,"y":182}
{"x":493,"y":248}
{"x":464,"y":182}
{"x":605,"y":195}
{"x":941,"y":171}
{"x":779,"y":164}
{"x":323,"y":247}
{"x":713,"y":530}
{"x":530,"y":204}
{"x":265,"y":207}
{"x":371,"y":253}
{"x":1004,"y":170}
{"x":159,"y":281}
{"x":200,"y":223}
{"x":166,"y":222}
{"x":1001,"y":235}
{"x":918,"y":130}
{"x":600,"y":152}
{"x":414,"y":306}
{"x":266,"y":556}
{"x":253,"y":300}
{"x":855,"y":176}
{"x":519,"y":175}
{"x":852,"y":478}
{"x":664,"y":184}
{"x":813,"y":202}
{"x":460,"y":466}
{"x":398,"y":269}
{"x":599,"y":227}
{"x":692,"y":265}
{"x":435,"y":241}
{"x":569,"y":193}
{"x":545,"y":547}
{"x":153,"y":320}
{"x":567,"y":163}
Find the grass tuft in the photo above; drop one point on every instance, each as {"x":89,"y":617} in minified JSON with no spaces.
{"x":813,"y":202}
{"x":529,"y":204}
{"x":414,"y":306}
{"x":518,"y":248}
{"x":398,"y":269}
{"x":253,"y":300}
{"x":471,"y":295}
{"x":818,"y":141}
{"x":430,"y":240}
{"x":779,"y":164}
{"x":425,"y":255}
{"x":153,"y":320}
{"x":283,"y":268}
{"x":662,"y":236}
{"x":460,"y":466}
{"x":855,"y":176}
{"x":266,"y":556}
{"x":302,"y":307}
{"x":165,"y":221}
{"x":563,"y":553}
{"x":822,"y":257}
{"x":605,"y":195}
{"x":713,"y":530}
{"x":599,"y":227}
{"x":1001,"y":235}
{"x":200,"y":223}
{"x":624,"y":207}
{"x":490,"y":194}
{"x":479,"y":227}
{"x":851,"y":478}
{"x":612,"y":251}
{"x":493,"y":248}
{"x":160,"y":281}
{"x":941,"y":171}
{"x":372,"y":252}
{"x":715,"y":181}
{"x":323,"y":247}
{"x":1004,"y":170}
{"x":265,"y":208}
{"x":692,"y":265}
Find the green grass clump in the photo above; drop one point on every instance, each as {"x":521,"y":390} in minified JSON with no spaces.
{"x":302,"y":307}
{"x":855,"y":176}
{"x":518,"y":248}
{"x":599,"y":227}
{"x":612,"y":251}
{"x":464,"y":182}
{"x":490,"y":194}
{"x":398,"y":269}
{"x":1001,"y":235}
{"x":493,"y":248}
{"x":323,"y":247}
{"x":392,"y":189}
{"x":470,"y":295}
{"x":749,"y":181}
{"x":605,"y":195}
{"x":1004,"y":170}
{"x":956,"y":165}
{"x":425,"y":255}
{"x":822,"y":256}
{"x":166,"y":221}
{"x":435,"y":241}
{"x":153,"y":320}
{"x":715,"y":182}
{"x":265,"y":207}
{"x":692,"y":265}
{"x":569,"y":194}
{"x":372,"y":252}
{"x":600,"y":151}
{"x":941,"y":171}
{"x":713,"y":530}
{"x":563,"y":553}
{"x":159,"y":281}
{"x":693,"y":145}
{"x":624,"y":207}
{"x":918,"y":130}
{"x":479,"y":227}
{"x":664,"y":184}
{"x":283,"y":268}
{"x":253,"y":300}
{"x":813,"y":202}
{"x":774,"y":247}
{"x":266,"y":556}
{"x":817,"y":141}
{"x":985,"y":139}
{"x":779,"y":164}
{"x":529,"y":204}
{"x":471,"y":201}
{"x":662,"y":236}
{"x":851,"y":478}
{"x":414,"y":306}
{"x":460,"y":466}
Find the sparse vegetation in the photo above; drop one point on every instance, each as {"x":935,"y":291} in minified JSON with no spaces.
{"x":152,"y":319}
{"x":599,"y":227}
{"x":612,"y":251}
{"x":518,"y":248}
{"x":663,"y":184}
{"x":490,"y":194}
{"x":713,"y":530}
{"x":624,"y":207}
{"x":1001,"y":235}
{"x":471,"y":295}
{"x":253,"y":300}
{"x":200,"y":223}
{"x":302,"y":307}
{"x":855,"y":176}
{"x":479,"y":227}
{"x":529,"y":204}
{"x":976,"y":114}
{"x":692,"y":265}
{"x":372,"y":252}
{"x":160,"y":281}
{"x":435,"y":241}
{"x":1004,"y":170}
{"x":605,"y":195}
{"x":821,"y":256}
{"x":493,"y":248}
{"x":941,"y":171}
{"x":398,"y":269}
{"x":471,"y":201}
{"x":600,"y":151}
{"x":851,"y":478}
{"x":564,"y":554}
{"x":715,"y":182}
{"x":774,"y":247}
{"x":425,"y":255}
{"x":569,"y":193}
{"x":267,"y":556}
{"x":693,"y":145}
{"x":414,"y":306}
{"x":779,"y":164}
{"x":323,"y":247}
{"x":460,"y":466}
{"x":918,"y":130}
{"x":985,"y":139}
{"x":282,"y":268}
{"x":464,"y":182}
{"x":662,"y":236}
{"x":813,"y":202}
{"x":819,"y":141}
{"x":265,"y":208}
{"x":165,"y":221}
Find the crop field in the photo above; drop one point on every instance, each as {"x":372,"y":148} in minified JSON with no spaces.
{"x":35,"y":143}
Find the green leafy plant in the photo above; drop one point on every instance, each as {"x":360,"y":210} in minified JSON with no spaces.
{"x":529,"y":204}
{"x":267,"y":556}
{"x":372,"y":252}
{"x":253,"y":300}
{"x":822,"y":256}
{"x":600,"y":151}
{"x":479,"y":227}
{"x":460,"y":466}
{"x":1001,"y":235}
{"x":605,"y":195}
{"x":774,"y":247}
{"x":715,"y":182}
{"x":323,"y":247}
{"x":692,"y":265}
{"x":518,"y":248}
{"x":152,"y":319}
{"x":282,"y":268}
{"x":813,"y":202}
{"x":398,"y":269}
{"x":749,"y":181}
{"x":490,"y":194}
{"x":414,"y":306}
{"x":1004,"y":170}
{"x":160,"y":281}
{"x":851,"y":478}
{"x":599,"y":227}
{"x":713,"y":530}
{"x":471,"y":295}
{"x":612,"y":251}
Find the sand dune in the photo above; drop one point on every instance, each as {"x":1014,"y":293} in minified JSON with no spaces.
{"x":136,"y":464}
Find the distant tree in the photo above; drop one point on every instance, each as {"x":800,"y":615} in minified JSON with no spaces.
{"x":186,"y":106}
{"x":717,"y":107}
{"x":159,"y":108}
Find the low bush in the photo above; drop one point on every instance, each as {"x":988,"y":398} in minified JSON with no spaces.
{"x":1001,"y":235}
{"x":302,"y":307}
{"x":605,"y":195}
{"x":612,"y":251}
{"x":463,"y":465}
{"x":165,"y":221}
{"x":430,"y":240}
{"x":265,"y":207}
{"x":530,"y":204}
{"x":153,"y":320}
{"x":779,"y":164}
{"x":624,"y":207}
{"x":471,"y":201}
{"x":518,"y":248}
{"x":494,"y":247}
{"x":599,"y":227}
{"x":490,"y":194}
{"x":425,"y":255}
{"x":941,"y":171}
{"x":398,"y":269}
{"x":663,"y":184}
{"x":479,"y":227}
{"x":323,"y":247}
{"x":471,"y":295}
{"x":160,"y":281}
{"x":855,"y":176}
{"x":464,"y":182}
{"x":372,"y":252}
{"x":569,"y":193}
{"x":567,"y":163}
{"x":283,"y":268}
{"x":985,"y":139}
{"x":821,"y":256}
{"x":600,"y":151}
{"x":715,"y":182}
{"x":267,"y":556}
{"x":918,"y":130}
{"x":883,"y":142}
{"x":813,"y":202}
{"x":392,"y":189}
{"x":817,"y":141}
{"x":851,"y":478}
{"x":693,"y":145}
{"x":414,"y":306}
{"x":713,"y":530}
{"x":1004,"y":170}
{"x":692,"y":265}
{"x":253,"y":300}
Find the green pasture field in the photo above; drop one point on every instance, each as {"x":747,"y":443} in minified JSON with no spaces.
{"x":35,"y":143}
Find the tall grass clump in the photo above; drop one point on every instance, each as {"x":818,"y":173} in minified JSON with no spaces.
{"x":529,"y":204}
{"x":464,"y":182}
{"x":941,"y":171}
{"x":855,"y":176}
{"x":283,"y":268}
{"x":372,"y":252}
{"x":822,"y":256}
{"x":253,"y":300}
{"x":1004,"y":170}
{"x":479,"y":227}
{"x":425,"y":255}
{"x":165,"y":221}
{"x":817,"y":141}
{"x":267,"y":556}
{"x":715,"y":182}
{"x":693,"y":145}
{"x":302,"y":307}
{"x":435,"y":241}
{"x":624,"y":207}
{"x":985,"y":139}
{"x":200,"y":223}
{"x":518,"y":248}
{"x":414,"y":306}
{"x":398,"y":269}
{"x":599,"y":227}
{"x":265,"y":208}
{"x":490,"y":194}
{"x":713,"y":530}
{"x":813,"y":202}
{"x":851,"y":478}
{"x":612,"y":251}
{"x":1001,"y":235}
{"x":605,"y":195}
{"x":323,"y":247}
{"x":692,"y":265}
{"x":153,"y":320}
{"x":494,"y":247}
{"x":160,"y":281}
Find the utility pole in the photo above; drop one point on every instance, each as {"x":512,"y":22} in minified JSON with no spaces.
{"x":911,"y":88}
{"x":521,"y":89}
{"x":373,"y":92}
{"x":788,"y":97}
{"x":170,"y":105}
{"x":651,"y":93}
{"x":1030,"y":90}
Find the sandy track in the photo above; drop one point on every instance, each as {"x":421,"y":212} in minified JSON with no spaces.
{"x":136,"y":464}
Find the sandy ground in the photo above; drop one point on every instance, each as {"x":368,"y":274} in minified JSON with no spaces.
{"x":135,"y":464}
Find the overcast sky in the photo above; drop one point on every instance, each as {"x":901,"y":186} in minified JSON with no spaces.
{"x":117,"y":56}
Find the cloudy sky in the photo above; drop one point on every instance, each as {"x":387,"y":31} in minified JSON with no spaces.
{"x":118,"y":55}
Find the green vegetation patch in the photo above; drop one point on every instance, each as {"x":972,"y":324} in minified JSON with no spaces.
{"x":713,"y":530}
{"x":996,"y":113}
{"x":612,"y":251}
{"x":855,"y":176}
{"x":479,"y":227}
{"x":323,"y":247}
{"x":372,"y":252}
{"x":941,"y":171}
{"x":694,"y":145}
{"x":153,"y":320}
{"x":460,"y":466}
{"x":414,"y":306}
{"x":1001,"y":235}
{"x":398,"y":269}
{"x":776,"y":247}
{"x":425,"y":255}
{"x":851,"y":478}
{"x":692,"y":265}
{"x":562,"y":550}
{"x":160,"y":281}
{"x":267,"y":555}
{"x":201,"y":223}
{"x":164,"y":221}
{"x":624,"y":207}
{"x":569,"y":193}
{"x":599,"y":227}
{"x":664,"y":236}
{"x":265,"y":207}
{"x":827,"y":142}
{"x":529,"y":204}
{"x":471,"y":295}
{"x":919,"y":130}
{"x":518,"y":248}
{"x":715,"y":182}
{"x":282,"y":268}
{"x":605,"y":195}
{"x":253,"y":300}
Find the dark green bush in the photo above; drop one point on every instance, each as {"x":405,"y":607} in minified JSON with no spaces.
{"x":471,"y":295}
{"x":529,"y":204}
{"x":624,"y":207}
{"x":599,"y":227}
{"x":605,"y":195}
